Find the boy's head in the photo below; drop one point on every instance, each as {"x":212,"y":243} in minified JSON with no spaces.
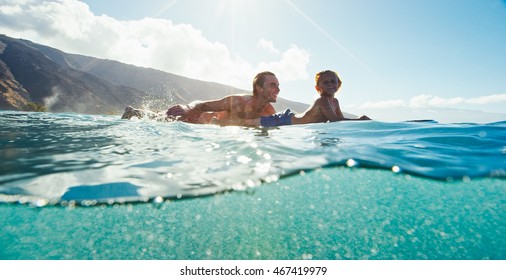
{"x":324,"y":81}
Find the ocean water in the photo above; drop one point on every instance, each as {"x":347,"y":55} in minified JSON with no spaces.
{"x":96,"y":187}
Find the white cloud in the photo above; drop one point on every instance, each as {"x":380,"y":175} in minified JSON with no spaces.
{"x":428,"y":101}
{"x":490,"y":99}
{"x":292,"y":65}
{"x":181,"y":49}
{"x":383,"y":104}
{"x":433,"y":101}
{"x":267,"y":45}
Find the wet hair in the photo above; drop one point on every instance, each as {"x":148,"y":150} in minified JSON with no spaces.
{"x":318,"y":75}
{"x":259,"y":80}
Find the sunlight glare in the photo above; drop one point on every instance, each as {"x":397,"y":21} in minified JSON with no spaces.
{"x":230,"y":7}
{"x":333,"y":40}
{"x":165,"y":8}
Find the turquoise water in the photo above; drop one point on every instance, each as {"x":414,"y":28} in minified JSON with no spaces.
{"x":348,"y":190}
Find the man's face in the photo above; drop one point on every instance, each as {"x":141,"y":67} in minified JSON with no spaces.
{"x":270,"y":89}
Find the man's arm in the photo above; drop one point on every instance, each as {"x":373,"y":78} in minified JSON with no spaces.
{"x":239,"y":122}
{"x":279,"y":119}
{"x":192,"y":111}
{"x":211,"y":105}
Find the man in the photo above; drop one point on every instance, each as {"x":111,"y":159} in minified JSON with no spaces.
{"x":226,"y":110}
{"x":232,"y":107}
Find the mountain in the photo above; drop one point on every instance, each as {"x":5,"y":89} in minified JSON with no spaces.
{"x":38,"y":77}
{"x":31,"y":79}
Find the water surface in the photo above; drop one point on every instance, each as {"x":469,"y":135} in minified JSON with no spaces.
{"x":347,"y":190}
{"x":70,"y":157}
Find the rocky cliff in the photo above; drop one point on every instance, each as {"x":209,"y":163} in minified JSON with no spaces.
{"x":38,"y":77}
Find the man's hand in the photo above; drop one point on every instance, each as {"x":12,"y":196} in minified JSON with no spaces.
{"x":183,"y":113}
{"x":177,"y":111}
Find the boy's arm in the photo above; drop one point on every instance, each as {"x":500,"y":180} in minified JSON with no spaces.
{"x":336,"y":115}
{"x":329,"y":112}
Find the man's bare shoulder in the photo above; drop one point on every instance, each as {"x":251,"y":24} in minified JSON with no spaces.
{"x":269,"y":109}
{"x":241,"y":97}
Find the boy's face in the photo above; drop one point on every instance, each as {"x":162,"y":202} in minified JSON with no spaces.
{"x":328,"y":84}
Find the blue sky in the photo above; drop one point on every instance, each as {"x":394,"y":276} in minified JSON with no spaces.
{"x":431,"y":59}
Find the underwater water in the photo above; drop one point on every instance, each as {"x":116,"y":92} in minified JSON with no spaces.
{"x":154,"y":190}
